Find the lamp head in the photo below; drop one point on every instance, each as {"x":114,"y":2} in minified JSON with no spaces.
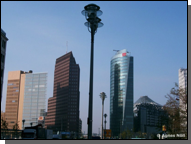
{"x":91,"y":11}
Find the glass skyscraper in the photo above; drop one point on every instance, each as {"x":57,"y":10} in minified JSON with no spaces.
{"x":34,"y":102}
{"x":121,"y":93}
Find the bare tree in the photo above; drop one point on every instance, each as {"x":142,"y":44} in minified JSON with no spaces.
{"x":16,"y":128}
{"x":176,"y":107}
{"x":4,"y":126}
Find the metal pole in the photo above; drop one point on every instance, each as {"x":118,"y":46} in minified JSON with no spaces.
{"x":102,"y":119}
{"x":91,"y":86}
{"x":61,"y":124}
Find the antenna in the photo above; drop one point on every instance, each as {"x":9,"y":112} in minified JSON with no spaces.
{"x":116,"y":50}
{"x":66,"y":46}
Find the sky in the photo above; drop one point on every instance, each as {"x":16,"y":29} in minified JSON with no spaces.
{"x":154,"y":32}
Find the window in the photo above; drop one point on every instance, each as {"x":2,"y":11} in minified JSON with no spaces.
{"x":3,"y":44}
{"x":1,"y":72}
{"x":2,"y":58}
{"x":10,"y":84}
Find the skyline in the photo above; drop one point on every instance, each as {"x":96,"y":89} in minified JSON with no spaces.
{"x":156,"y":29}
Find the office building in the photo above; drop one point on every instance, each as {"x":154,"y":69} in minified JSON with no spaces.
{"x":121,"y":92}
{"x":182,"y":78}
{"x":26,"y":97}
{"x":2,"y":115}
{"x":149,"y":116}
{"x":4,"y":40}
{"x":183,"y":99}
{"x":80,"y":128}
{"x":63,"y":107}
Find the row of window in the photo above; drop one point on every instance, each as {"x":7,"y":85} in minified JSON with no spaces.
{"x":119,"y":71}
{"x":2,"y":58}
{"x":118,"y":75}
{"x":119,"y":65}
{"x":118,"y":86}
{"x":35,"y":97}
{"x":119,"y":58}
{"x":34,"y":100}
{"x":29,"y":108}
{"x":34,"y":80}
{"x":36,"y":75}
{"x":3,"y":44}
{"x":119,"y":80}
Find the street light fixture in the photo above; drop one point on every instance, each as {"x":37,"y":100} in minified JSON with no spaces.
{"x":102,"y":96}
{"x":23,"y":123}
{"x":91,"y":14}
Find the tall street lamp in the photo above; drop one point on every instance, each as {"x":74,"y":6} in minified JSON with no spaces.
{"x":91,"y":14}
{"x":102,"y":96}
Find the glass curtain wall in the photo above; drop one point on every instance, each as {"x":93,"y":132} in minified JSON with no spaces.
{"x":121,"y":92}
{"x":34,"y":97}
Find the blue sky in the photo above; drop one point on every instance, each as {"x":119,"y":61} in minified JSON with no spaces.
{"x":155,"y":33}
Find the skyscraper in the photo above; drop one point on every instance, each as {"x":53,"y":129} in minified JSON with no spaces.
{"x":63,"y":107}
{"x":12,"y":99}
{"x":4,"y":40}
{"x":26,"y":97}
{"x":121,"y":92}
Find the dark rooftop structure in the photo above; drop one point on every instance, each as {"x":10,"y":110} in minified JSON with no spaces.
{"x":148,"y":115}
{"x":146,"y":100}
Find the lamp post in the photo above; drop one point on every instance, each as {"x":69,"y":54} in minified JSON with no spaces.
{"x":102,"y":96}
{"x":23,"y":123}
{"x":91,"y":14}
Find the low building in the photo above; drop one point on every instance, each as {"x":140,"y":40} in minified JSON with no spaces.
{"x":148,"y":116}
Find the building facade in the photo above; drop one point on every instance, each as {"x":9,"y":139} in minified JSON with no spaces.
{"x":182,"y":73}
{"x":149,"y":116}
{"x":26,"y":97}
{"x":4,"y":40}
{"x":80,"y":127}
{"x":183,"y":99}
{"x":121,"y":92}
{"x":12,"y":99}
{"x":32,"y":103}
{"x":63,"y":107}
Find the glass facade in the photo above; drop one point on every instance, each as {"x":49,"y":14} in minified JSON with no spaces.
{"x":34,"y":97}
{"x":121,"y":92}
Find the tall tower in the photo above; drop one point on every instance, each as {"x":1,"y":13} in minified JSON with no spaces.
{"x":4,"y":40}
{"x":63,"y":107}
{"x":121,"y":92}
{"x":12,"y":99}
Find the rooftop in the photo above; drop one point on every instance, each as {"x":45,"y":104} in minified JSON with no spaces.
{"x":146,"y":99}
